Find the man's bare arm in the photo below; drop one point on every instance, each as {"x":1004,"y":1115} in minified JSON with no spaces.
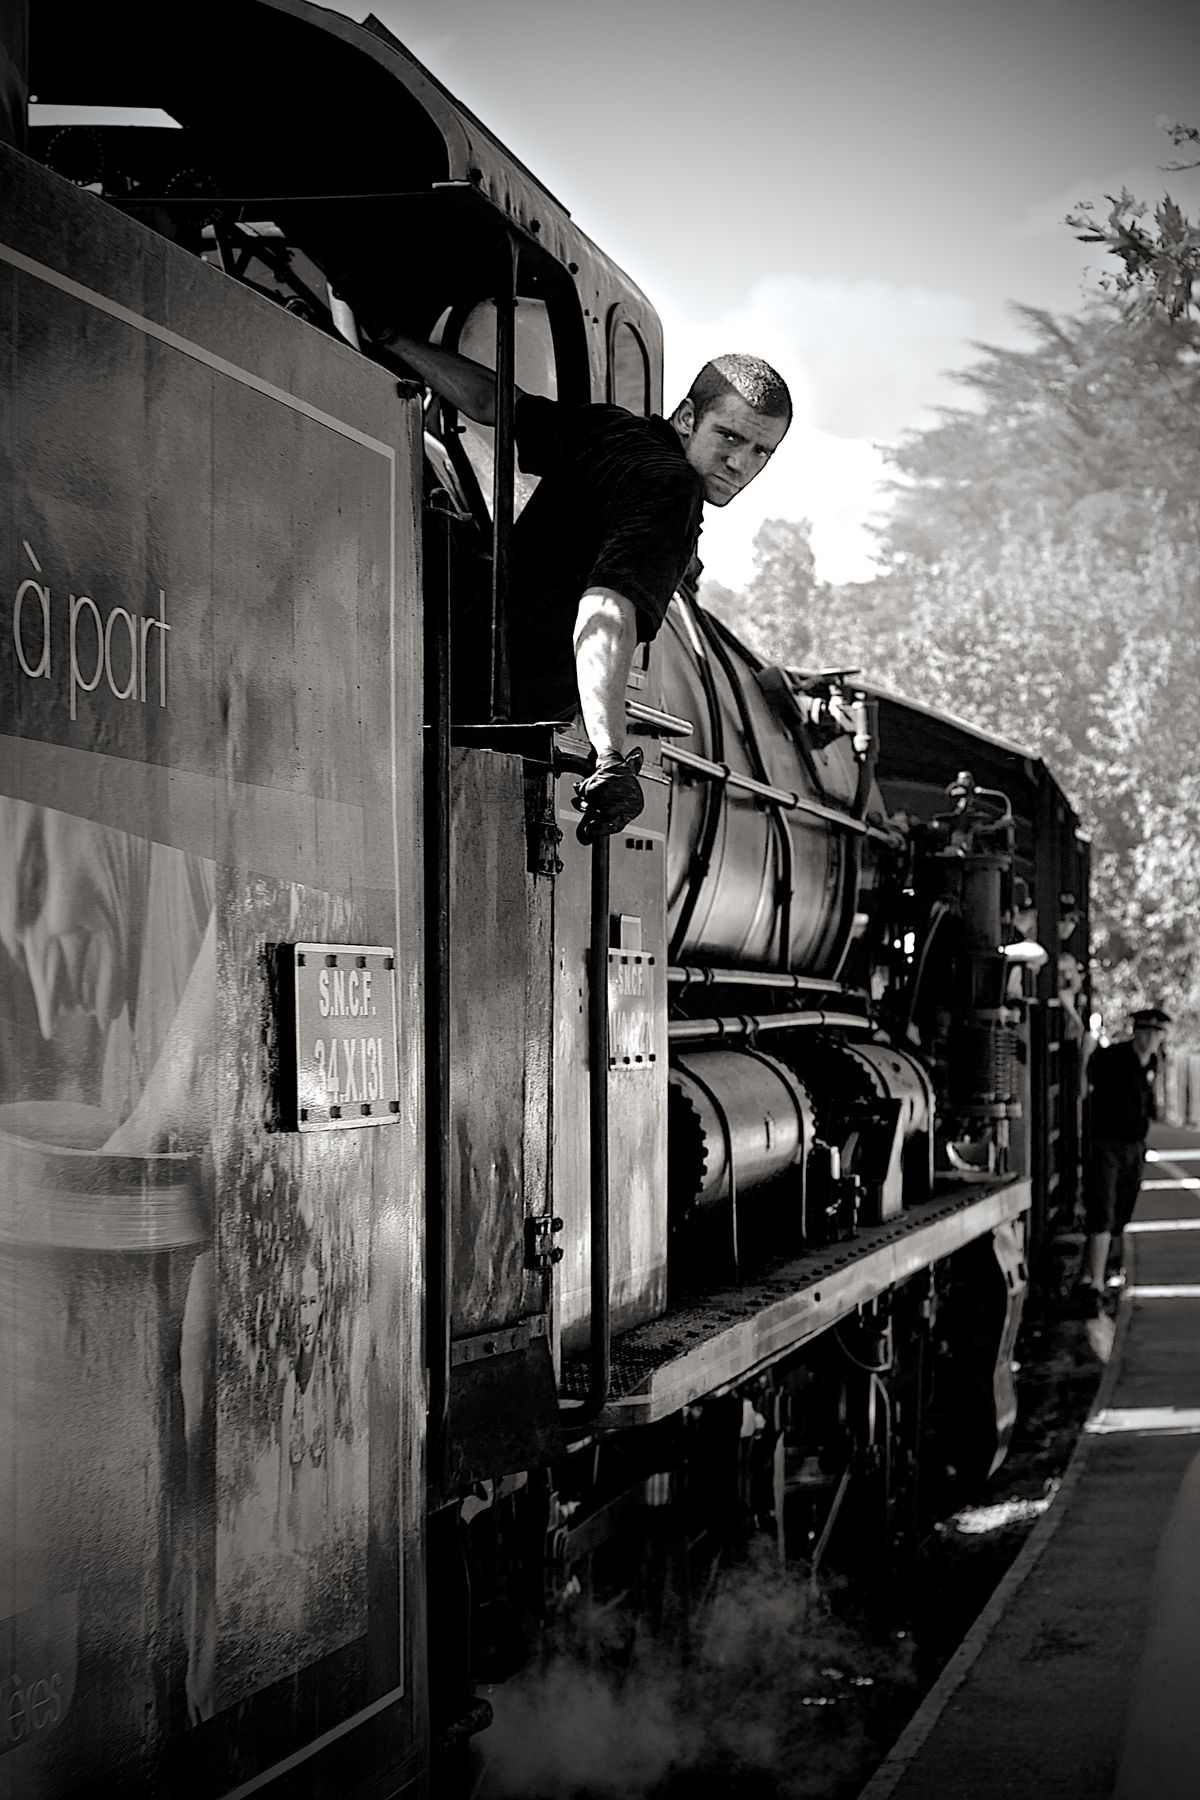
{"x":469,"y":386}
{"x":605,"y":639}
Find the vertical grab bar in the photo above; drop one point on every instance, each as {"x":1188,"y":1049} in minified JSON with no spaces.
{"x":600,"y":1340}
{"x":504,"y":472}
{"x":438,"y":1161}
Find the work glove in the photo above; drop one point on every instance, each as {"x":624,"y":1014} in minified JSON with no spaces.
{"x":609,"y":798}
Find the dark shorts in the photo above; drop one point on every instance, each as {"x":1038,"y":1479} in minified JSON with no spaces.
{"x":1114,"y":1175}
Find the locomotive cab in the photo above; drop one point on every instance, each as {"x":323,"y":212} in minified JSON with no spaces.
{"x":712,"y":1154}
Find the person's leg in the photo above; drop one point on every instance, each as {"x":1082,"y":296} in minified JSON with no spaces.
{"x":1101,"y":1192}
{"x":1130,"y":1166}
{"x":1129,"y":1182}
{"x":1095,"y":1259}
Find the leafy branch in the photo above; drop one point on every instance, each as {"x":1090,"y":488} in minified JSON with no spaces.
{"x":1160,"y":251}
{"x":1181,"y":134}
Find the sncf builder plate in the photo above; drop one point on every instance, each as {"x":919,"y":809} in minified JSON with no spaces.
{"x":347,"y":1068}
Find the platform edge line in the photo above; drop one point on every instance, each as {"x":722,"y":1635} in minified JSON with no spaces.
{"x":904,"y":1752}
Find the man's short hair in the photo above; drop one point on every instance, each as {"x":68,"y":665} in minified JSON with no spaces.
{"x":761,"y":386}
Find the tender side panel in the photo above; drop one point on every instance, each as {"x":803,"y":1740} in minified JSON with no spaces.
{"x":503,"y":1407}
{"x":211,"y":1445}
{"x":501,"y":989}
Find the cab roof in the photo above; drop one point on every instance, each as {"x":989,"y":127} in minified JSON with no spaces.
{"x":311,"y":106}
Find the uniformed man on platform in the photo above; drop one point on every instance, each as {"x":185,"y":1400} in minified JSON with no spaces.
{"x":604,"y":541}
{"x":1121,"y":1083}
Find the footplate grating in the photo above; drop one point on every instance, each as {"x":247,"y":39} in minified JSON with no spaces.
{"x":708,"y":1341}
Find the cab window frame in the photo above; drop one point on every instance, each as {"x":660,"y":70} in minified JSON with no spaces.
{"x":566,"y":359}
{"x":622,"y":327}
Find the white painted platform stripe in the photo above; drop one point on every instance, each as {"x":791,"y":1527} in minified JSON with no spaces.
{"x":1174,"y":1181}
{"x":1168,"y":1156}
{"x":1183,"y":1290}
{"x":1140,"y":1225}
{"x":1166,"y":1419}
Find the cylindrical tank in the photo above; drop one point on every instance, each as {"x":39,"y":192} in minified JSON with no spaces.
{"x":750,"y":882}
{"x":736,"y":1117}
{"x":876,"y":1104}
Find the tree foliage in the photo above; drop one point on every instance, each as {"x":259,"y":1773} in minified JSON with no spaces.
{"x":1041,"y":578}
{"x":773,"y":615}
{"x":1159,"y":251}
{"x":1091,"y":429}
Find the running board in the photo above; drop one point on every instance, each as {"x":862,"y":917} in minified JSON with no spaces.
{"x":726,"y":1337}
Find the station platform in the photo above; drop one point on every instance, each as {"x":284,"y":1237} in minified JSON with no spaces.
{"x":1080,"y":1680}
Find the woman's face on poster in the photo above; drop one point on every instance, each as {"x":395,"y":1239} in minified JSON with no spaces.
{"x":309,"y":1306}
{"x":65,"y":910}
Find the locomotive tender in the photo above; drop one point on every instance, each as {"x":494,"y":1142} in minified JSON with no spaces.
{"x":397,"y":1198}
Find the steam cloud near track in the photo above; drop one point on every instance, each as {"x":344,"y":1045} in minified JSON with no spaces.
{"x":768,"y":1700}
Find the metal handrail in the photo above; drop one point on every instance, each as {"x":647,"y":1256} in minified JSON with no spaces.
{"x":665,"y":723}
{"x":691,"y":975}
{"x":692,"y":1031}
{"x":700,"y":765}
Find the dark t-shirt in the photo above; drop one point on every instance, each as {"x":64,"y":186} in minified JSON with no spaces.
{"x":1122,"y":1094}
{"x":618,"y":506}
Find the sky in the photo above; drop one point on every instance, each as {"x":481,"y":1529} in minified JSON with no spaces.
{"x":855,"y":189}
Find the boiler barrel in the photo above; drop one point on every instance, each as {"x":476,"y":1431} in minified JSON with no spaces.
{"x":742,"y":871}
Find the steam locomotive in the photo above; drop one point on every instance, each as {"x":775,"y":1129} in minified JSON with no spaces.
{"x":400,"y":1201}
